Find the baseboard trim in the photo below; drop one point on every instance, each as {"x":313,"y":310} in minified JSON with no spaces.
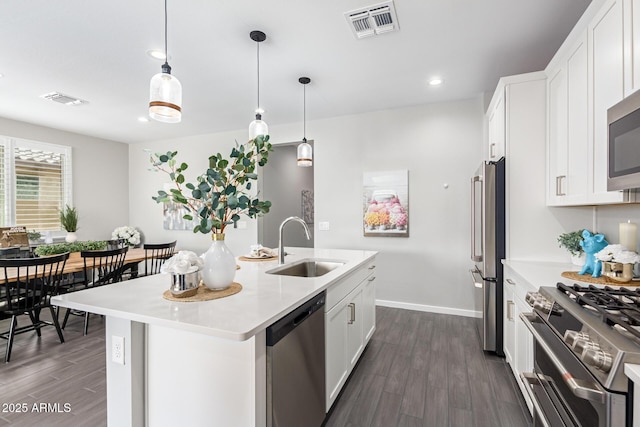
{"x":429,"y":308}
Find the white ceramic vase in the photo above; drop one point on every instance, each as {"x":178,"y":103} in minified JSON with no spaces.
{"x":71,"y":237}
{"x":219,"y":265}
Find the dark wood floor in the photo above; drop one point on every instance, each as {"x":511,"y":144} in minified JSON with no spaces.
{"x":425,"y":369}
{"x":420,"y":369}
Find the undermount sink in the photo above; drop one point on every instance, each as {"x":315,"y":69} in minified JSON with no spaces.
{"x":308,"y":267}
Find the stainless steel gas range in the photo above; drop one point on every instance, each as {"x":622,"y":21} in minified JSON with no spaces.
{"x":583,"y":336}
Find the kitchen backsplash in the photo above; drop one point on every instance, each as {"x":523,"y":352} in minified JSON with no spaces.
{"x":607,"y":220}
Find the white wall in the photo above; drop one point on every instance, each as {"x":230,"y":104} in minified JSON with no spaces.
{"x":100,"y":176}
{"x":438,"y":143}
{"x":146,"y":214}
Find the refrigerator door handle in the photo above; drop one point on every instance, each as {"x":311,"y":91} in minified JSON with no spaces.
{"x":474,"y":256}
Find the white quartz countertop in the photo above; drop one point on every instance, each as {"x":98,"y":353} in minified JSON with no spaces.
{"x":543,"y":273}
{"x":264,"y":298}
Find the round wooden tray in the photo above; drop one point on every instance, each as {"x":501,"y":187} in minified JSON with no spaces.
{"x":602,"y":280}
{"x":205,"y":294}
{"x":244,"y":258}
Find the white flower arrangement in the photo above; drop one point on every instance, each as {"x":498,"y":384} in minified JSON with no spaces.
{"x":617,"y":253}
{"x":130,"y":235}
{"x":183,"y":262}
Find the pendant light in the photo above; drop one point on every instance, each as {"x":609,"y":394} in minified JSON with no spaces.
{"x":305,"y":151}
{"x":258,"y":126}
{"x":165,"y":91}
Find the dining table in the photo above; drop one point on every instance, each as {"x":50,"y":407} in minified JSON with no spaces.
{"x":75,"y":263}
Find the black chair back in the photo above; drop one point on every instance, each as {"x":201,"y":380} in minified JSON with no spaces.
{"x":103,"y":267}
{"x":37,"y":279}
{"x":116,"y":243}
{"x":156,"y":254}
{"x":10,"y":253}
{"x":26,"y":288}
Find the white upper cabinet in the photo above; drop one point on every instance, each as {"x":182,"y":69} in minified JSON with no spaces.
{"x":497,"y":131}
{"x":631,"y":11}
{"x":606,"y":62}
{"x":567,"y":137}
{"x":585,"y":78}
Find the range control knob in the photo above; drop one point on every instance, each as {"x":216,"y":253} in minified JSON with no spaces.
{"x":580,"y":346}
{"x":597,"y":358}
{"x":570,"y":337}
{"x":532,"y":297}
{"x":543,"y":305}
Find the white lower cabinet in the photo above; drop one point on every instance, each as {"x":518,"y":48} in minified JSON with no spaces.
{"x":369,"y":308}
{"x":349,"y":324}
{"x":509,"y":323}
{"x":518,"y":341}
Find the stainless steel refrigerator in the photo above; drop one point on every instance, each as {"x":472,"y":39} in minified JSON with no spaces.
{"x":488,"y":248}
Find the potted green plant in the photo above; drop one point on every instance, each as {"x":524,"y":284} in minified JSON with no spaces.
{"x":69,"y":221}
{"x":33,"y":236}
{"x":571,"y":242}
{"x":217,"y":198}
{"x":60,"y":248}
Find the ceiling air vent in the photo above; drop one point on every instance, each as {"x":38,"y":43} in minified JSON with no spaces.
{"x":63,"y":99}
{"x":373,"y":20}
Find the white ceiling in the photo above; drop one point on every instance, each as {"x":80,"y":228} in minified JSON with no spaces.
{"x":95,"y":50}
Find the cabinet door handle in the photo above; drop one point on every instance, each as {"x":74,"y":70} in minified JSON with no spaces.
{"x":352,"y":313}
{"x":492,"y":153}
{"x":372,"y":278}
{"x":511,"y":282}
{"x":510,"y":305}
{"x":559,"y":191}
{"x":371,"y":267}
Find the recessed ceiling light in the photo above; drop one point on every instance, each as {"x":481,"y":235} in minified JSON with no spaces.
{"x":156,"y":54}
{"x":436,"y":81}
{"x":1,"y":75}
{"x":143,"y":119}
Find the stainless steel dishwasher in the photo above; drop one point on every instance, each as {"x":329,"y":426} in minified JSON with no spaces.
{"x":295,"y":367}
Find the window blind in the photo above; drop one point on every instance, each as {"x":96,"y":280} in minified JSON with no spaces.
{"x":41,"y":184}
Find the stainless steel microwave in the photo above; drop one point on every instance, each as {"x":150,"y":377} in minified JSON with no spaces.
{"x":623,"y":167}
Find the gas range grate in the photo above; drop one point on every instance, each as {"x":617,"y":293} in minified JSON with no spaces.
{"x":617,"y":306}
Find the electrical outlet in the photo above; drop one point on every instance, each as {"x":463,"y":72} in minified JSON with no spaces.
{"x":117,"y":349}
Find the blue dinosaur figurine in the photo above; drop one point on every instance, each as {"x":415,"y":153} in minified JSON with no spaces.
{"x":592,"y":243}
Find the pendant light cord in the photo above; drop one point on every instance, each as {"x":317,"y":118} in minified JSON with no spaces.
{"x":304,"y":112}
{"x":166,"y":51}
{"x":258,"y":61}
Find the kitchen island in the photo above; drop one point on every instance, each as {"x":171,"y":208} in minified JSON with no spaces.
{"x":200,"y":363}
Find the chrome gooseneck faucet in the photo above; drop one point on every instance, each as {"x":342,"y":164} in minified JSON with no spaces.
{"x":281,"y":253}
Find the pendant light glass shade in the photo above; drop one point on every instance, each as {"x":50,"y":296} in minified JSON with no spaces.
{"x":305,"y":154}
{"x":165,"y":97}
{"x":258,"y":126}
{"x":165,"y":90}
{"x":305,"y":151}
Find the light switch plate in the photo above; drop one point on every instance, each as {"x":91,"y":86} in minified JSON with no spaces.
{"x":323,"y":225}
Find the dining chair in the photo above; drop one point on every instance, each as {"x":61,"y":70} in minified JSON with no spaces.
{"x":115,"y":243}
{"x":155,"y":255}
{"x":10,"y":253}
{"x":101,"y":268}
{"x":35,"y":281}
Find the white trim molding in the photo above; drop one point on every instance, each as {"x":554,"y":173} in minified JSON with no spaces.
{"x":429,"y":308}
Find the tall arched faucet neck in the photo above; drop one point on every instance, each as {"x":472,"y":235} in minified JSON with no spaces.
{"x":281,"y":252}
